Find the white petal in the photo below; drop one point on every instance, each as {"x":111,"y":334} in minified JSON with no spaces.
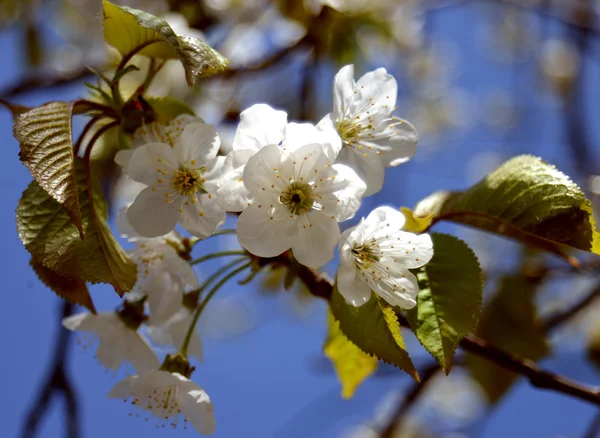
{"x":263,"y":236}
{"x":123,"y":226}
{"x":198,"y":144}
{"x":80,"y":321}
{"x":316,"y":239}
{"x":165,"y":294}
{"x":351,"y":285}
{"x":379,"y":87}
{"x":298,"y":135}
{"x":140,"y":354}
{"x":308,"y":163}
{"x":402,"y":146}
{"x":232,"y":194}
{"x":151,"y":215}
{"x":370,"y":169}
{"x":199,"y":410}
{"x":384,"y":215}
{"x":147,"y":160}
{"x":260,"y":125}
{"x":203,"y":217}
{"x":413,"y":251}
{"x":177,"y":265}
{"x":404,"y":293}
{"x":110,"y":352}
{"x":348,"y":189}
{"x":213,"y":174}
{"x":123,"y":156}
{"x":332,"y":143}
{"x":263,"y":170}
{"x":122,"y":389}
{"x":343,"y":89}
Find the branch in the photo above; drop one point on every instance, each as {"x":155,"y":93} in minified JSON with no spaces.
{"x":560,"y":318}
{"x":322,"y":287}
{"x":56,"y":382}
{"x":37,"y":82}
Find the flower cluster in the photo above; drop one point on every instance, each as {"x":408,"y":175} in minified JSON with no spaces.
{"x":291,"y":185}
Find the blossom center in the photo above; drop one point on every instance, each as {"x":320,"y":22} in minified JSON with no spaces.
{"x":365,"y":255}
{"x":187,"y":182}
{"x":297,"y":197}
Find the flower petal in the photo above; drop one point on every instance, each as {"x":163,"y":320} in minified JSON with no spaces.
{"x":411,"y":250}
{"x":316,"y":240}
{"x":263,"y":170}
{"x":343,"y":90}
{"x":123,"y":156}
{"x":198,"y":144}
{"x":379,"y":88}
{"x":203,"y":217}
{"x":148,"y":160}
{"x":351,"y":285}
{"x":401,"y":290}
{"x":151,"y":215}
{"x":402,"y":145}
{"x":261,"y":234}
{"x":199,"y":410}
{"x":370,"y":169}
{"x":122,"y":389}
{"x":232,"y":194}
{"x":213,"y":174}
{"x":165,"y":294}
{"x":260,"y":125}
{"x":298,"y":135}
{"x":347,"y":189}
{"x":140,"y":354}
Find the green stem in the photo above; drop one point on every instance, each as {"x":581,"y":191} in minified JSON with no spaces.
{"x":217,"y":233}
{"x":216,"y":275}
{"x":217,"y":255}
{"x":205,"y":301}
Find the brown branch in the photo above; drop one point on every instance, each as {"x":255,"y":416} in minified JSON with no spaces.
{"x":322,"y":287}
{"x":56,"y":383}
{"x":560,"y":318}
{"x":36,"y":82}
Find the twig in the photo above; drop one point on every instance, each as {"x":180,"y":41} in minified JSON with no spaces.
{"x":594,"y":429}
{"x":56,"y":382}
{"x":407,"y":402}
{"x":560,"y":318}
{"x":36,"y":82}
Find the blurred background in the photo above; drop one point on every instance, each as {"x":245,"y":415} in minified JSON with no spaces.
{"x":482,"y":81}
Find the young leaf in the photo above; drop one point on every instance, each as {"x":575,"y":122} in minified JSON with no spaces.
{"x":71,"y":289}
{"x":53,"y":241}
{"x":415,"y":224}
{"x":133,"y":31}
{"x":509,"y":322}
{"x":351,"y":364}
{"x":374,"y":328}
{"x":167,"y":108}
{"x":449,"y":300}
{"x":47,"y":150}
{"x":525,"y":199}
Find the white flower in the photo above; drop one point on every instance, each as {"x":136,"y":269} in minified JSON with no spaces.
{"x":174,"y":331}
{"x":377,"y":255}
{"x":155,"y":132}
{"x":298,"y":199}
{"x":167,"y":395}
{"x":162,"y":276}
{"x":362,"y":115}
{"x":118,"y":342}
{"x":260,"y":125}
{"x":182,"y":184}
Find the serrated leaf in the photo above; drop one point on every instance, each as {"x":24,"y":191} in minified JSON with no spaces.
{"x":167,"y":108}
{"x":415,"y":224}
{"x":449,"y":299}
{"x":525,"y":199}
{"x":352,"y":365}
{"x":509,"y":322}
{"x":71,"y":289}
{"x":130,"y":30}
{"x":371,"y":328}
{"x":44,"y":134}
{"x":52,"y":239}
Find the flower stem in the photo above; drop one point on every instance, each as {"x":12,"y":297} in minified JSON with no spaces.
{"x":205,"y":301}
{"x":217,"y":233}
{"x":217,"y":255}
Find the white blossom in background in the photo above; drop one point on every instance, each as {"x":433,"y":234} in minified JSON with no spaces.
{"x":376,"y":255}
{"x":166,"y":396}
{"x":299,"y":197}
{"x":117,"y":342}
{"x":162,"y":273}
{"x":182,"y":184}
{"x":260,"y":125}
{"x":372,"y":137}
{"x":174,"y":331}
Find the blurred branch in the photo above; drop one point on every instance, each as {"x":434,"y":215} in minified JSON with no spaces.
{"x":408,"y":401}
{"x":560,"y":318}
{"x":322,"y":287}
{"x":36,"y":82}
{"x":594,"y":429}
{"x":56,"y":382}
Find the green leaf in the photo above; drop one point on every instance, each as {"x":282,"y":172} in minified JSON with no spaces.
{"x":71,"y":289}
{"x":52,"y":239}
{"x":133,"y":31}
{"x":351,"y":364}
{"x":374,"y":328}
{"x":47,"y":150}
{"x":509,"y":321}
{"x":525,"y":199}
{"x":449,"y":300}
{"x":167,"y":108}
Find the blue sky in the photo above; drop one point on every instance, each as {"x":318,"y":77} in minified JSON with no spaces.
{"x":271,"y":380}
